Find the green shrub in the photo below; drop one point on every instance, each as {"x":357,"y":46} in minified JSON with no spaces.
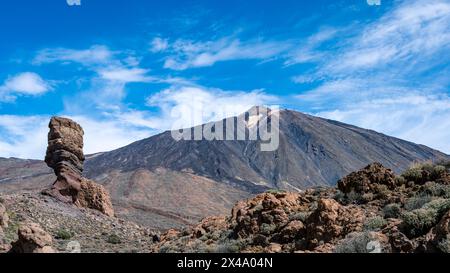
{"x":354,"y":197}
{"x":113,"y":239}
{"x":438,"y":171}
{"x":436,"y":189}
{"x":63,"y":234}
{"x":400,"y":180}
{"x":419,"y":221}
{"x":374,"y":223}
{"x":357,"y":242}
{"x":444,"y":244}
{"x":392,"y":211}
{"x":417,"y":202}
{"x":267,"y":228}
{"x":300,"y":216}
{"x":413,"y":174}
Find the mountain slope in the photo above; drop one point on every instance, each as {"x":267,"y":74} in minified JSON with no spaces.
{"x":312,"y":151}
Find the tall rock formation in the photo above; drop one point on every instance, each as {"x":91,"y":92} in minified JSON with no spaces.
{"x":65,"y":156}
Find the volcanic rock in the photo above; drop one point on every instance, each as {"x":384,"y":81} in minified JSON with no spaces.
{"x":331,"y":221}
{"x":65,"y":156}
{"x":365,"y":180}
{"x":32,"y":239}
{"x":94,"y":196}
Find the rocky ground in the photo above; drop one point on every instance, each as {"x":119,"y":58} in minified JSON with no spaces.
{"x":371,"y":210}
{"x":68,"y":226}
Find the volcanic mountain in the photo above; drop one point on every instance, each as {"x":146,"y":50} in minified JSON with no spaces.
{"x":164,"y":183}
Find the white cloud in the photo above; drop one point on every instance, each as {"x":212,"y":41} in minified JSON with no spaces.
{"x":125,"y":75}
{"x":96,"y":54}
{"x":417,"y":118}
{"x":26,"y":83}
{"x":384,"y":76}
{"x":158,"y":44}
{"x":186,"y":106}
{"x":190,"y":54}
{"x":26,"y":136}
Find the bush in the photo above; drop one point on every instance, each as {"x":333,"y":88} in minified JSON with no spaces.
{"x":417,"y":202}
{"x":436,"y":189}
{"x":267,"y":229}
{"x":300,"y":216}
{"x":438,"y":171}
{"x":421,"y":220}
{"x":64,"y":234}
{"x":374,"y":223}
{"x":354,"y":197}
{"x":400,"y":180}
{"x":444,"y":244}
{"x":392,"y":211}
{"x":413,"y":174}
{"x":357,"y":242}
{"x":229,"y":247}
{"x":113,"y":239}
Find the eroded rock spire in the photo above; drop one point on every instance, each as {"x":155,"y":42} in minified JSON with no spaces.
{"x":65,"y":156}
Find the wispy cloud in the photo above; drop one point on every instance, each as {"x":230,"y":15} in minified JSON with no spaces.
{"x":190,"y":54}
{"x":386,"y":77}
{"x":27,"y":83}
{"x":159,"y":44}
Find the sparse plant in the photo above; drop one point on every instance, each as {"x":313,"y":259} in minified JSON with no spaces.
{"x":436,"y":189}
{"x":417,"y":202}
{"x":374,"y":223}
{"x":114,"y":239}
{"x":64,"y":234}
{"x":392,"y":210}
{"x":267,"y":228}
{"x":301,"y":216}
{"x":356,"y":242}
{"x":400,"y":180}
{"x":444,"y":244}
{"x":354,"y":197}
{"x":419,"y":221}
{"x":413,"y":174}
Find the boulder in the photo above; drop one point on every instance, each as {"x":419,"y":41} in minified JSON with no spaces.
{"x":94,"y":196}
{"x":265,"y":213}
{"x":367,"y":179}
{"x":331,"y":222}
{"x":32,"y":239}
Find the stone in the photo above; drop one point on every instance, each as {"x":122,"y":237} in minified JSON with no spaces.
{"x":32,"y":239}
{"x":65,"y":155}
{"x":94,"y":196}
{"x":332,"y":221}
{"x":367,"y":179}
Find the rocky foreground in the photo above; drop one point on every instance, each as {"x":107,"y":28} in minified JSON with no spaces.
{"x":371,"y":210}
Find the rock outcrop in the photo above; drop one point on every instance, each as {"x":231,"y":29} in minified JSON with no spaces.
{"x":365,"y":180}
{"x":65,"y":156}
{"x":394,"y":217}
{"x":331,"y":222}
{"x":94,"y":196}
{"x":32,"y":239}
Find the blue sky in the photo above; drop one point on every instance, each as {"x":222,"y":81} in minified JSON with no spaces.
{"x":122,"y":68}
